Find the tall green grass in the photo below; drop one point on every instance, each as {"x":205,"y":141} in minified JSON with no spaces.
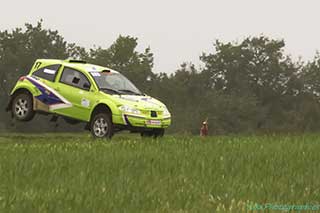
{"x":73,"y":173}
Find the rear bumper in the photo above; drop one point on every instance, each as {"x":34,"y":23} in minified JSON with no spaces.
{"x":133,"y":122}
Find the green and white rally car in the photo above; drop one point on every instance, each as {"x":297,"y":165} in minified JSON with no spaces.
{"x":103,"y":98}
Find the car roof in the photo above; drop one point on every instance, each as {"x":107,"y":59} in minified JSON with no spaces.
{"x":77,"y":64}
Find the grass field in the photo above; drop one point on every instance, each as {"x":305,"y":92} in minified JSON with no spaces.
{"x":73,"y":173}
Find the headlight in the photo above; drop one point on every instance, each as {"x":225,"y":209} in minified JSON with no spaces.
{"x":166,"y":112}
{"x":128,"y":109}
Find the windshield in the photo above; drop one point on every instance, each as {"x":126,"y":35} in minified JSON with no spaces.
{"x":114,"y":83}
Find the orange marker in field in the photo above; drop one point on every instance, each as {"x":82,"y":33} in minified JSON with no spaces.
{"x":204,"y":128}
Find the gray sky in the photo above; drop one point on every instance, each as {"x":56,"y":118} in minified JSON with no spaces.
{"x":176,"y":30}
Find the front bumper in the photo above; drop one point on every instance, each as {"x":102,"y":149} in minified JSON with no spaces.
{"x":140,"y":121}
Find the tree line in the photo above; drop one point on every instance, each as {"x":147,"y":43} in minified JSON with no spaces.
{"x":250,"y":86}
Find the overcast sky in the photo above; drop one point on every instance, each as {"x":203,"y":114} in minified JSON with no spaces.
{"x":176,"y":30}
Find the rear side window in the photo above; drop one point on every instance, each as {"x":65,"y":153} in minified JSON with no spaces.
{"x":75,"y":78}
{"x":49,"y":72}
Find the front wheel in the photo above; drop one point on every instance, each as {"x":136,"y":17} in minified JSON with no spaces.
{"x":22,"y":107}
{"x":101,"y":126}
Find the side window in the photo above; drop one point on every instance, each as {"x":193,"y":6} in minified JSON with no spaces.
{"x":49,"y":72}
{"x":75,"y":78}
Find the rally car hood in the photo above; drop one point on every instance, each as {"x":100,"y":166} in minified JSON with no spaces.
{"x":139,"y":101}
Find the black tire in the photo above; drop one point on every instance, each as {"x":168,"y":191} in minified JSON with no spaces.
{"x":146,"y":134}
{"x":158,"y":133}
{"x":22,"y":107}
{"x":153,"y":133}
{"x":101,"y":126}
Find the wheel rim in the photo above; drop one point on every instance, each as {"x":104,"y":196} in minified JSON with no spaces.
{"x":21,"y":108}
{"x":100,"y":127}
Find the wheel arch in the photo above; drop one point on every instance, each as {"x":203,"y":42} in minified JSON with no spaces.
{"x":99,"y":108}
{"x":22,"y":90}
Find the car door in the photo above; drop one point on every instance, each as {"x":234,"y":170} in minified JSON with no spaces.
{"x":75,"y":87}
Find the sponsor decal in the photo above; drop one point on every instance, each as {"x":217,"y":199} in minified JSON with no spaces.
{"x":146,"y":99}
{"x":91,"y":68}
{"x":49,"y":96}
{"x":95,"y":74}
{"x":136,"y":98}
{"x":47,"y":92}
{"x":153,"y":122}
{"x":129,"y":98}
{"x":148,"y":102}
{"x":85,"y":102}
{"x":49,"y":71}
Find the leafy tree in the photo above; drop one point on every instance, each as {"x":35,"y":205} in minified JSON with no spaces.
{"x":76,"y":52}
{"x":255,"y":68}
{"x":256,"y":65}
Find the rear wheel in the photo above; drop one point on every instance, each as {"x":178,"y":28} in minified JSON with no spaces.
{"x":22,"y":107}
{"x":101,"y":126}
